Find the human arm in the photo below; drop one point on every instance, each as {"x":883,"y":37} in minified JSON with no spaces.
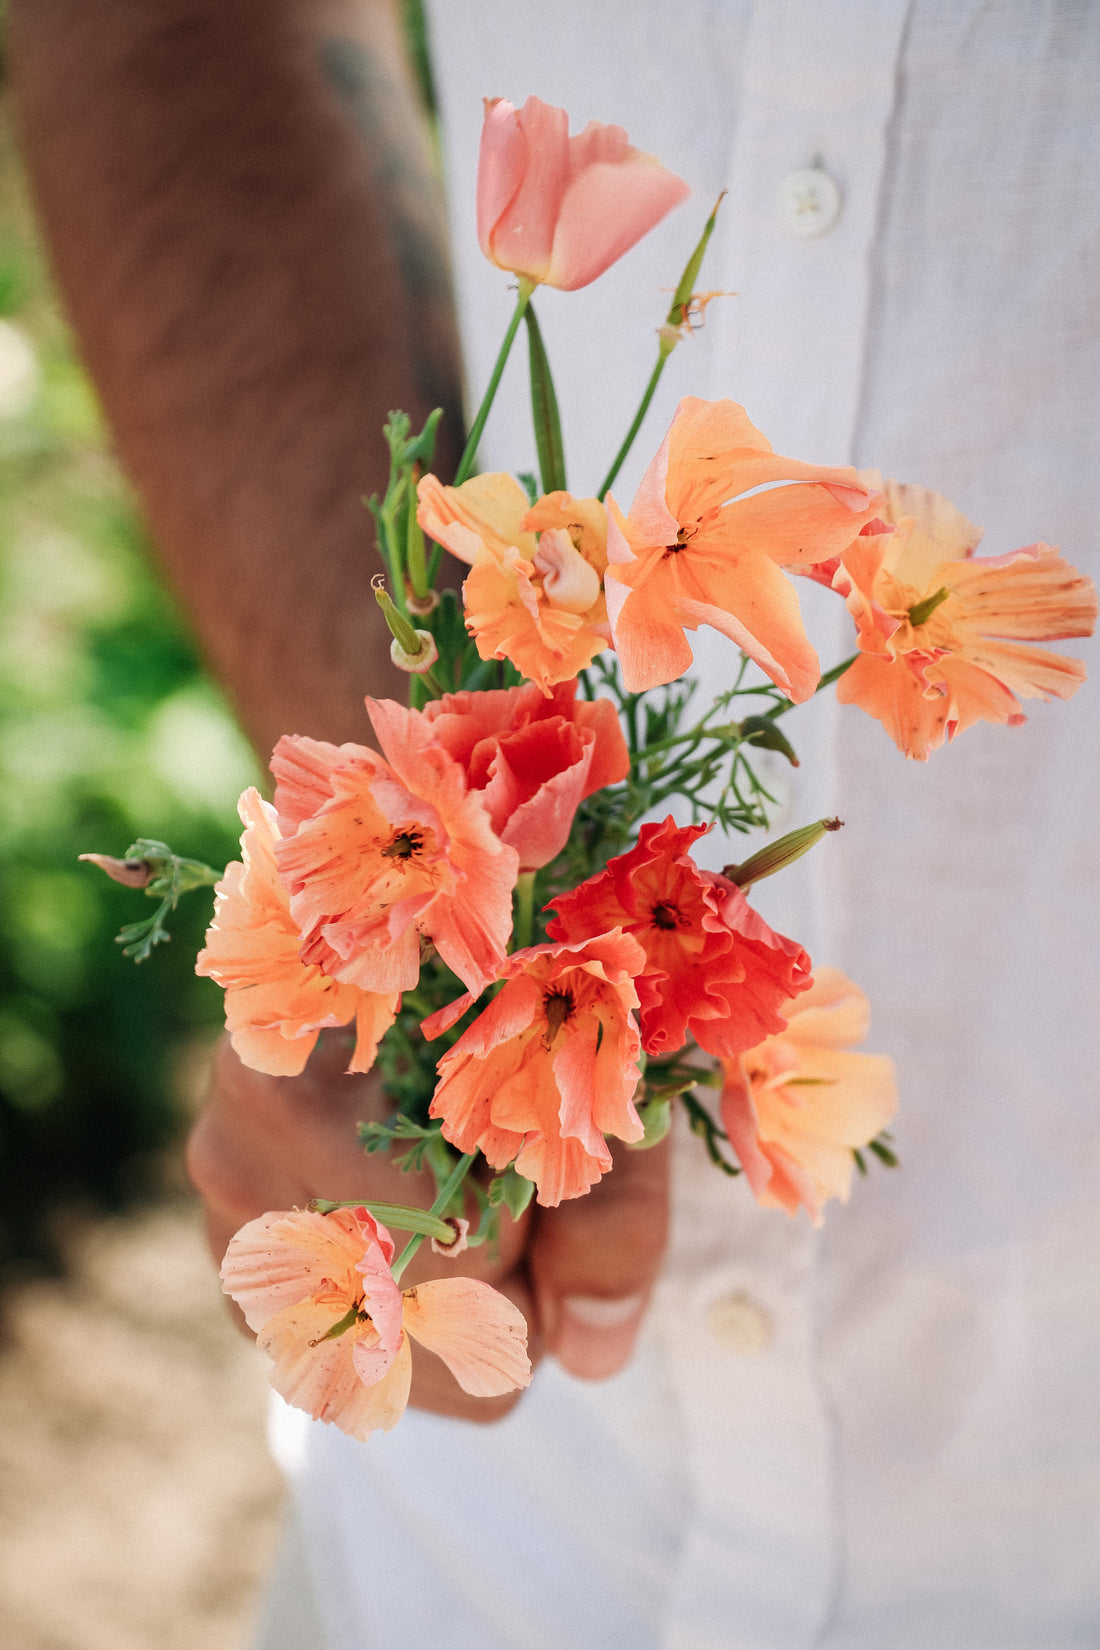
{"x":252,"y":252}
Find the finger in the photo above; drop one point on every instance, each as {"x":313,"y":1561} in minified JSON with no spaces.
{"x":594,"y":1261}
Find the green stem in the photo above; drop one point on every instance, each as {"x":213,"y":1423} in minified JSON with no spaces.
{"x":827,"y":680}
{"x":525,"y":909}
{"x":406,"y":1219}
{"x":438,"y":1208}
{"x":466,"y":463}
{"x":639,"y":416}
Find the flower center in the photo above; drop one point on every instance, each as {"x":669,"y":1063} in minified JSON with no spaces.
{"x":404,"y":845}
{"x":668,"y":916}
{"x":559,"y":1006}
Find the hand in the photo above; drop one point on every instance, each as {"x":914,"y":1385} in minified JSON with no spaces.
{"x":581,"y":1274}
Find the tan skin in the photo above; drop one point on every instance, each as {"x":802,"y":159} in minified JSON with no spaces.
{"x":248,"y":231}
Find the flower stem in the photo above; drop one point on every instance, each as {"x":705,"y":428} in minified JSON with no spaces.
{"x":827,"y":680}
{"x":647,"y":396}
{"x":525,"y":909}
{"x":438,"y":1208}
{"x":466,"y":463}
{"x":401,"y":1215}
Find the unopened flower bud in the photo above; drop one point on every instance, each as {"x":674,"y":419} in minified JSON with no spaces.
{"x":411,"y":650}
{"x":777,"y":855}
{"x":132,"y":873}
{"x":458,"y":1242}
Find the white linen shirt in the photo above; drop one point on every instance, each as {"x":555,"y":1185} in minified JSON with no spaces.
{"x":884,"y":1434}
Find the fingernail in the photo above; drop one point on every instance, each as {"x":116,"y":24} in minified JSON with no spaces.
{"x":595,"y":1336}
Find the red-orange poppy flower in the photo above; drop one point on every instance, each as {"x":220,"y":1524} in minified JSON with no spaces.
{"x":319,"y":1292}
{"x":714,"y":970}
{"x":561,"y":209}
{"x":534,"y":593}
{"x":795,"y":1106}
{"x":377,"y":853}
{"x":945,"y":635}
{"x":276,"y":1004}
{"x":549,"y":1068}
{"x":702,"y":545}
{"x":531,"y":759}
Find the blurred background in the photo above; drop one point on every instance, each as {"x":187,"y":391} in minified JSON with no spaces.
{"x":137,"y":1504}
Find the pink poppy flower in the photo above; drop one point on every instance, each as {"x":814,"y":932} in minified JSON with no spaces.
{"x":318,"y":1292}
{"x":275,"y":1003}
{"x":702,"y":546}
{"x":377,"y":853}
{"x":713,"y":968}
{"x":548,"y":1069}
{"x":532,"y":760}
{"x":795,"y":1106}
{"x":945,"y":635}
{"x":560,"y":209}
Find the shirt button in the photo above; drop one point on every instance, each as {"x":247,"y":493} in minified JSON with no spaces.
{"x":740,"y":1324}
{"x":809,"y":202}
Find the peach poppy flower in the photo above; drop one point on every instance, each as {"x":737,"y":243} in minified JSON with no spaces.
{"x":699,"y":546}
{"x":377,"y":853}
{"x":533,"y":594}
{"x":560,"y":209}
{"x":713,"y":969}
{"x":944,"y":635}
{"x":275,"y":1004}
{"x":318,"y":1292}
{"x":797,"y":1105}
{"x":531,"y":759}
{"x":549,"y":1068}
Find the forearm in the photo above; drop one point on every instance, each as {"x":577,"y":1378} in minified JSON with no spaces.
{"x":247,"y":231}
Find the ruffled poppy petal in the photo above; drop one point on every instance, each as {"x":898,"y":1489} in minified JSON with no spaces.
{"x":479,"y":1334}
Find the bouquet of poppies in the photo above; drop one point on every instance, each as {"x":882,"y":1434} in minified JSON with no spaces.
{"x":498,"y":899}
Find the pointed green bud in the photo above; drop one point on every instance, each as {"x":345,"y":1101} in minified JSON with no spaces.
{"x":777,"y":855}
{"x":411,"y":650}
{"x":671,"y":333}
{"x":764,"y":733}
{"x":921,"y":612}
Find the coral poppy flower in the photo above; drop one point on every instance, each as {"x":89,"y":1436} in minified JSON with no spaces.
{"x":548,"y":1069}
{"x":795,"y":1107}
{"x":377,"y":853}
{"x":713,"y":967}
{"x":533,"y":594}
{"x":318,"y":1291}
{"x":943,"y":633}
{"x":560,"y":209}
{"x":531,"y":759}
{"x":275,"y":1004}
{"x":701,"y":547}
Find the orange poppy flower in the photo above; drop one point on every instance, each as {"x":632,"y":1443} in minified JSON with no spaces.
{"x":377,"y":853}
{"x":318,"y":1291}
{"x":275,"y":1003}
{"x":548,"y":1069}
{"x":533,"y":594}
{"x":713,"y":968}
{"x":944,"y":635}
{"x":795,"y":1106}
{"x":702,"y":546}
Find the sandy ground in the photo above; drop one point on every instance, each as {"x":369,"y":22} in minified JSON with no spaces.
{"x":138,"y":1505}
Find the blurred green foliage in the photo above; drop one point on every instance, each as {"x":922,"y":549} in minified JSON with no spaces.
{"x":108,"y":731}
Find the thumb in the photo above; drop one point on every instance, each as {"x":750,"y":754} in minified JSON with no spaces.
{"x":594,"y":1261}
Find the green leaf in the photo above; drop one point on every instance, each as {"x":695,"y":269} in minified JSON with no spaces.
{"x":544,"y":410}
{"x":512,"y":1191}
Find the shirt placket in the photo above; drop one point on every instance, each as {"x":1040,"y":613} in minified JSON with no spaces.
{"x":795,"y":244}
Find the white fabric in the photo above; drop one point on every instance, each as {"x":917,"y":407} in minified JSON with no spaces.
{"x":913,"y":1462}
